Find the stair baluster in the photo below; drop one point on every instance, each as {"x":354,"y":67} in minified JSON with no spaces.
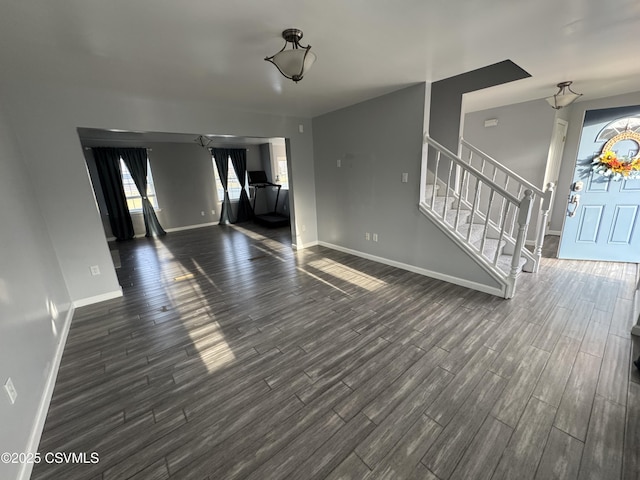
{"x":485,"y":230}
{"x":497,"y":210}
{"x":435,"y":180}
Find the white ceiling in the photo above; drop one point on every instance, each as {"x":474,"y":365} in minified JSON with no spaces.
{"x":213,"y":51}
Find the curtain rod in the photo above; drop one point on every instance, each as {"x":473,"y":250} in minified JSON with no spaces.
{"x":147,"y":149}
{"x":230,"y":148}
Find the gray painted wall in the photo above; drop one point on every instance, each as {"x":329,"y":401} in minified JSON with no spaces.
{"x":520,"y":141}
{"x":376,"y":141}
{"x":576,"y":116}
{"x":57,"y":167}
{"x":185,"y":184}
{"x":34,"y":301}
{"x":446,"y":98}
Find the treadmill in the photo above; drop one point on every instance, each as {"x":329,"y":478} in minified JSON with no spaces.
{"x":258,"y":180}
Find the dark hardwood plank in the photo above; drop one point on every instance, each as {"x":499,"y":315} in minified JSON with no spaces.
{"x":516,"y":395}
{"x":336,"y":449}
{"x":351,"y":468}
{"x":455,"y":394}
{"x":614,"y":379}
{"x":373,"y":449}
{"x":485,"y":451}
{"x":602,"y":455}
{"x":561,"y":457}
{"x":402,"y":461}
{"x":443,"y":457}
{"x":554,"y":377}
{"x":526,"y":446}
{"x":230,"y":363}
{"x":575,"y":406}
{"x":631,"y":465}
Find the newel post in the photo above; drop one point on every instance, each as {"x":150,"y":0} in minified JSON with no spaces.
{"x":524,"y":215}
{"x":547,"y":199}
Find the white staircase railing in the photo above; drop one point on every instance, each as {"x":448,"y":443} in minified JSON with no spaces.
{"x":513,"y":182}
{"x":485,"y":208}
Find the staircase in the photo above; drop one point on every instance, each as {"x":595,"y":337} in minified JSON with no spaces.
{"x":485,"y":208}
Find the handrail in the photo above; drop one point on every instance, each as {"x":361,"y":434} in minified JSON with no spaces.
{"x":458,"y":161}
{"x":497,"y":164}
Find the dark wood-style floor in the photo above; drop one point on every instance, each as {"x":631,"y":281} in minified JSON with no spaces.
{"x":231,"y":356}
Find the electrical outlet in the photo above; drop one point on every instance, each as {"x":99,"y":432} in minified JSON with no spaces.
{"x":405,"y":177}
{"x":339,"y":163}
{"x":95,"y":270}
{"x":11,"y":390}
{"x":375,"y":237}
{"x":304,"y":228}
{"x":367,"y":236}
{"x":202,"y":213}
{"x":213,"y":212}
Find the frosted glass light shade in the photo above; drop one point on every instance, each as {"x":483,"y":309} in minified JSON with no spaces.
{"x":294,"y":64}
{"x":564,"y":97}
{"x":560,"y":101}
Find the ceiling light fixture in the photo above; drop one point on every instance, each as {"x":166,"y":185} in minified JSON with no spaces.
{"x":202,"y":141}
{"x":296,"y":62}
{"x":564,"y":97}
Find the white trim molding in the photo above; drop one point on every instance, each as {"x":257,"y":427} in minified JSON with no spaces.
{"x":302,"y":246}
{"x":83,"y":302}
{"x":190,"y":227}
{"x":419,"y":270}
{"x":169,"y":230}
{"x":555,"y":233}
{"x":45,"y":400}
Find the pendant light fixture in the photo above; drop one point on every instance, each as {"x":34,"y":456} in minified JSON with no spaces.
{"x":295,"y":62}
{"x":564,"y":97}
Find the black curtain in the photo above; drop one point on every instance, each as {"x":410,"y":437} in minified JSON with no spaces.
{"x":221,"y":156}
{"x":108,"y":166}
{"x":136,"y":161}
{"x":239,"y":162}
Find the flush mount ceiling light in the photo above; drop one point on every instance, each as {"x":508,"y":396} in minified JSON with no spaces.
{"x":564,"y":97}
{"x":295,"y":62}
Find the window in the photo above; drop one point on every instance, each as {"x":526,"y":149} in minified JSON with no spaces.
{"x":233,"y":184}
{"x":134,"y":201}
{"x":280,"y":170}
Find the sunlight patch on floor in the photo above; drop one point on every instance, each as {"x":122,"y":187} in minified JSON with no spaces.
{"x":213,"y":350}
{"x":302,"y":270}
{"x":186,"y":276}
{"x":269,"y":242}
{"x":348,"y":274}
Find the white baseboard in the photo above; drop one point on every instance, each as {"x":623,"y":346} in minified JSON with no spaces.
{"x":419,"y":270}
{"x":304,"y":245}
{"x":43,"y":408}
{"x":176,"y":229}
{"x":83,"y":302}
{"x":555,"y":233}
{"x":190,"y":227}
